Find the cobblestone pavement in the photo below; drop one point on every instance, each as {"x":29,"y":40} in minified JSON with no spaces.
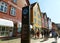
{"x":16,"y":40}
{"x":32,"y":40}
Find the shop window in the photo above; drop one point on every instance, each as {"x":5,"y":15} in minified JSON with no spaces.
{"x":7,"y":28}
{"x":0,"y":28}
{"x":3,"y":28}
{"x":6,"y":33}
{"x":2,"y":33}
{"x":3,"y":7}
{"x":11,"y":28}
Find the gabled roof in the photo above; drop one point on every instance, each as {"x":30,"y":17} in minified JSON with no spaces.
{"x":33,"y":5}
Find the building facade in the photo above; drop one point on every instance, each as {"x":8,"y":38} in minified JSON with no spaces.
{"x":54,"y":26}
{"x":11,"y":10}
{"x":58,"y":27}
{"x":49,"y":23}
{"x":35,"y":16}
{"x":44,"y":21}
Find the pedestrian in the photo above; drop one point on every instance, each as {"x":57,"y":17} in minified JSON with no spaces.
{"x":46,"y":34}
{"x":32,"y":32}
{"x":35,"y":33}
{"x":42,"y":33}
{"x":55,"y":34}
{"x":38,"y":33}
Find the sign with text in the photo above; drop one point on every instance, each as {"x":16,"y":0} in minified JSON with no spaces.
{"x":25,"y":33}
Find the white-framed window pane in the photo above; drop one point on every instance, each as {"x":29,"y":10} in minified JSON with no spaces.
{"x":6,"y":28}
{"x":0,"y":28}
{"x":3,"y":7}
{"x":13,"y":11}
{"x":6,"y":33}
{"x":2,"y":33}
{"x":3,"y":28}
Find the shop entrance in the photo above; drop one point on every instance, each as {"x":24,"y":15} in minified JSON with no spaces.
{"x":15,"y":30}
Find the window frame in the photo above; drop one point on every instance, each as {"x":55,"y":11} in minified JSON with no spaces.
{"x":15,"y":2}
{"x":5,"y":33}
{"x":5,"y":7}
{"x":13,"y":14}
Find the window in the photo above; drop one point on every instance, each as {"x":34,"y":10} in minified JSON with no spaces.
{"x":3,"y":28}
{"x":3,"y":7}
{"x":13,"y":11}
{"x":15,"y":1}
{"x":0,"y":28}
{"x":34,"y":20}
{"x":7,"y":28}
{"x":38,"y":16}
{"x":34,"y":13}
{"x":39,"y":22}
{"x":4,"y":31}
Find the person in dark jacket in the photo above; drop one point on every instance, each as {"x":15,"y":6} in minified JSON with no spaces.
{"x":55,"y":34}
{"x":32,"y":32}
{"x":46,"y":34}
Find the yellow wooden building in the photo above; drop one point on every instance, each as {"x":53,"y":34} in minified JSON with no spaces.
{"x":35,"y":17}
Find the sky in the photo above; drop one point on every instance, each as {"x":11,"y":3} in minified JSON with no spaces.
{"x":51,"y":7}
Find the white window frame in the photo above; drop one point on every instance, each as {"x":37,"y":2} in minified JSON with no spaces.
{"x":10,"y":28}
{"x":13,"y":11}
{"x":4,"y":7}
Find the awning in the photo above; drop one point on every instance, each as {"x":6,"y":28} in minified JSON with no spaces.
{"x":4,"y":22}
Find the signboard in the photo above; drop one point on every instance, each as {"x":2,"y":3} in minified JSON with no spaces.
{"x":25,"y":33}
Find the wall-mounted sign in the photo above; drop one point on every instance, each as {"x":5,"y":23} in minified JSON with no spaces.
{"x":25,"y":33}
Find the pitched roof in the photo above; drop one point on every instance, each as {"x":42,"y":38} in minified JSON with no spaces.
{"x":33,"y":4}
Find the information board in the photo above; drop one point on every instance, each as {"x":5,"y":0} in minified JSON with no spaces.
{"x":25,"y":33}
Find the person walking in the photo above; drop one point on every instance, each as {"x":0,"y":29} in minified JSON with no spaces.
{"x":55,"y":34}
{"x":32,"y":32}
{"x":42,"y":33}
{"x":46,"y":34}
{"x":35,"y":33}
{"x":38,"y":33}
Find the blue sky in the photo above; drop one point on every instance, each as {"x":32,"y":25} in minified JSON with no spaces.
{"x":51,"y":7}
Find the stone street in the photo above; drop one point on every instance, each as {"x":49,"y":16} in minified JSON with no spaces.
{"x":32,"y":40}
